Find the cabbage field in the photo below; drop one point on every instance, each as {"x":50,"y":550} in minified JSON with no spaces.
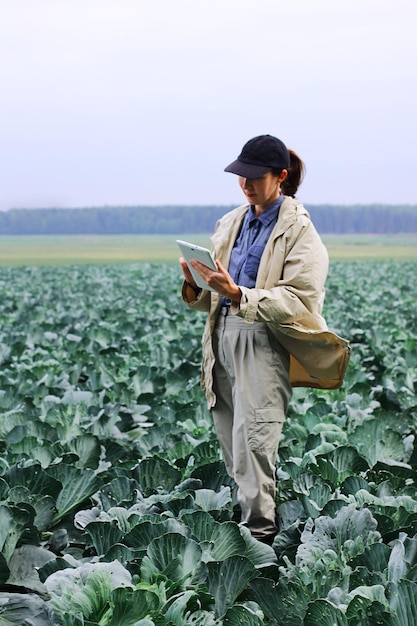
{"x":115,"y":507}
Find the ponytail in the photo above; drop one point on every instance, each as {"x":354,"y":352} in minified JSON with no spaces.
{"x":295,"y":176}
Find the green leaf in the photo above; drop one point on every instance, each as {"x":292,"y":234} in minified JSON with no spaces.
{"x":206,"y":452}
{"x":24,"y":565}
{"x":352,"y":484}
{"x":119,"y":552}
{"x":201,"y":524}
{"x":4,"y":488}
{"x":176,"y":557}
{"x":144,"y":532}
{"x":34,"y":478}
{"x":392,"y":468}
{"x":241,"y":615}
{"x":175,"y":502}
{"x":282,"y":602}
{"x":87,"y":590}
{"x":156,"y":474}
{"x":375,"y":558}
{"x":41,"y":431}
{"x":90,"y":598}
{"x":59,"y":563}
{"x":375,"y":442}
{"x":339,"y":464}
{"x":104,"y":535}
{"x":227,"y":579}
{"x":402,"y":599}
{"x":77,"y":486}
{"x":226,"y":541}
{"x":72,"y":396}
{"x":368,"y":606}
{"x":4,"y":570}
{"x":176,"y":611}
{"x":365,"y":612}
{"x":393,"y":513}
{"x":15,"y":521}
{"x":45,"y":513}
{"x":6,"y":520}
{"x":16,"y":608}
{"x":87,"y":448}
{"x":315,"y":493}
{"x":213,"y":476}
{"x":397,"y":565}
{"x":218,"y":504}
{"x":323,"y":613}
{"x":130,"y":606}
{"x":258,"y":553}
{"x":347,"y":535}
{"x":119,"y":491}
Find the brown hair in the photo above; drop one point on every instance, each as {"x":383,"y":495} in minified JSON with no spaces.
{"x":295,"y":176}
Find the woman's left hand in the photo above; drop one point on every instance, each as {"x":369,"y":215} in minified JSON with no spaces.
{"x":220,"y":281}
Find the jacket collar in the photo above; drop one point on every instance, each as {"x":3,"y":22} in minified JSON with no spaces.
{"x":224,"y":238}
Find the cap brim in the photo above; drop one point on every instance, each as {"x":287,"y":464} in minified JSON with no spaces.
{"x":247,"y":170}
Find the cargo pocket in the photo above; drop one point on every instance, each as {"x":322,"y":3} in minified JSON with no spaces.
{"x":265,"y":430}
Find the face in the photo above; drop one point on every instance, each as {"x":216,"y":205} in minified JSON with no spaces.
{"x":262,"y":191}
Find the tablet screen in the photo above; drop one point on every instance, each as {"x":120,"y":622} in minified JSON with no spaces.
{"x":192,"y":251}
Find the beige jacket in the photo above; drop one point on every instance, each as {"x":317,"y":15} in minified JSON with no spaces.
{"x":288,"y":296}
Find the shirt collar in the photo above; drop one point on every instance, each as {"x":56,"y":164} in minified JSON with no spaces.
{"x":270,"y":214}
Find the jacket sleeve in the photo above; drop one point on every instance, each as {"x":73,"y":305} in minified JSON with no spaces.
{"x":293,"y":288}
{"x":202,"y":301}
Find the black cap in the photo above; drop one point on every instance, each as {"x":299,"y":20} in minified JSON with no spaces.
{"x":259,"y":156}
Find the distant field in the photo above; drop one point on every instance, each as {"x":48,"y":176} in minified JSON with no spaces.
{"x":102,"y":249}
{"x":372,"y":247}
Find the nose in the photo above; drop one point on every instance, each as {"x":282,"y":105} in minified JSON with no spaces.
{"x":245,"y":183}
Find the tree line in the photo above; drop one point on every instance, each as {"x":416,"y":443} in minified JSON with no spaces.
{"x":175,"y":219}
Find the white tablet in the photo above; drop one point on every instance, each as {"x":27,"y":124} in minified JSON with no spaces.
{"x":192,"y":251}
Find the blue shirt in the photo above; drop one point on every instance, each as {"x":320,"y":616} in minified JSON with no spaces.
{"x":250,"y":244}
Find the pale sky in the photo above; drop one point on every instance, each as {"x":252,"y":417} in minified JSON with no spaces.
{"x":111,"y":102}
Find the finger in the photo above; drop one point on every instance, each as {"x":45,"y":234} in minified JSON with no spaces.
{"x":220,"y":267}
{"x":186,"y":272}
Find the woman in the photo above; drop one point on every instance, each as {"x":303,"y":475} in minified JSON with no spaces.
{"x":264,"y":332}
